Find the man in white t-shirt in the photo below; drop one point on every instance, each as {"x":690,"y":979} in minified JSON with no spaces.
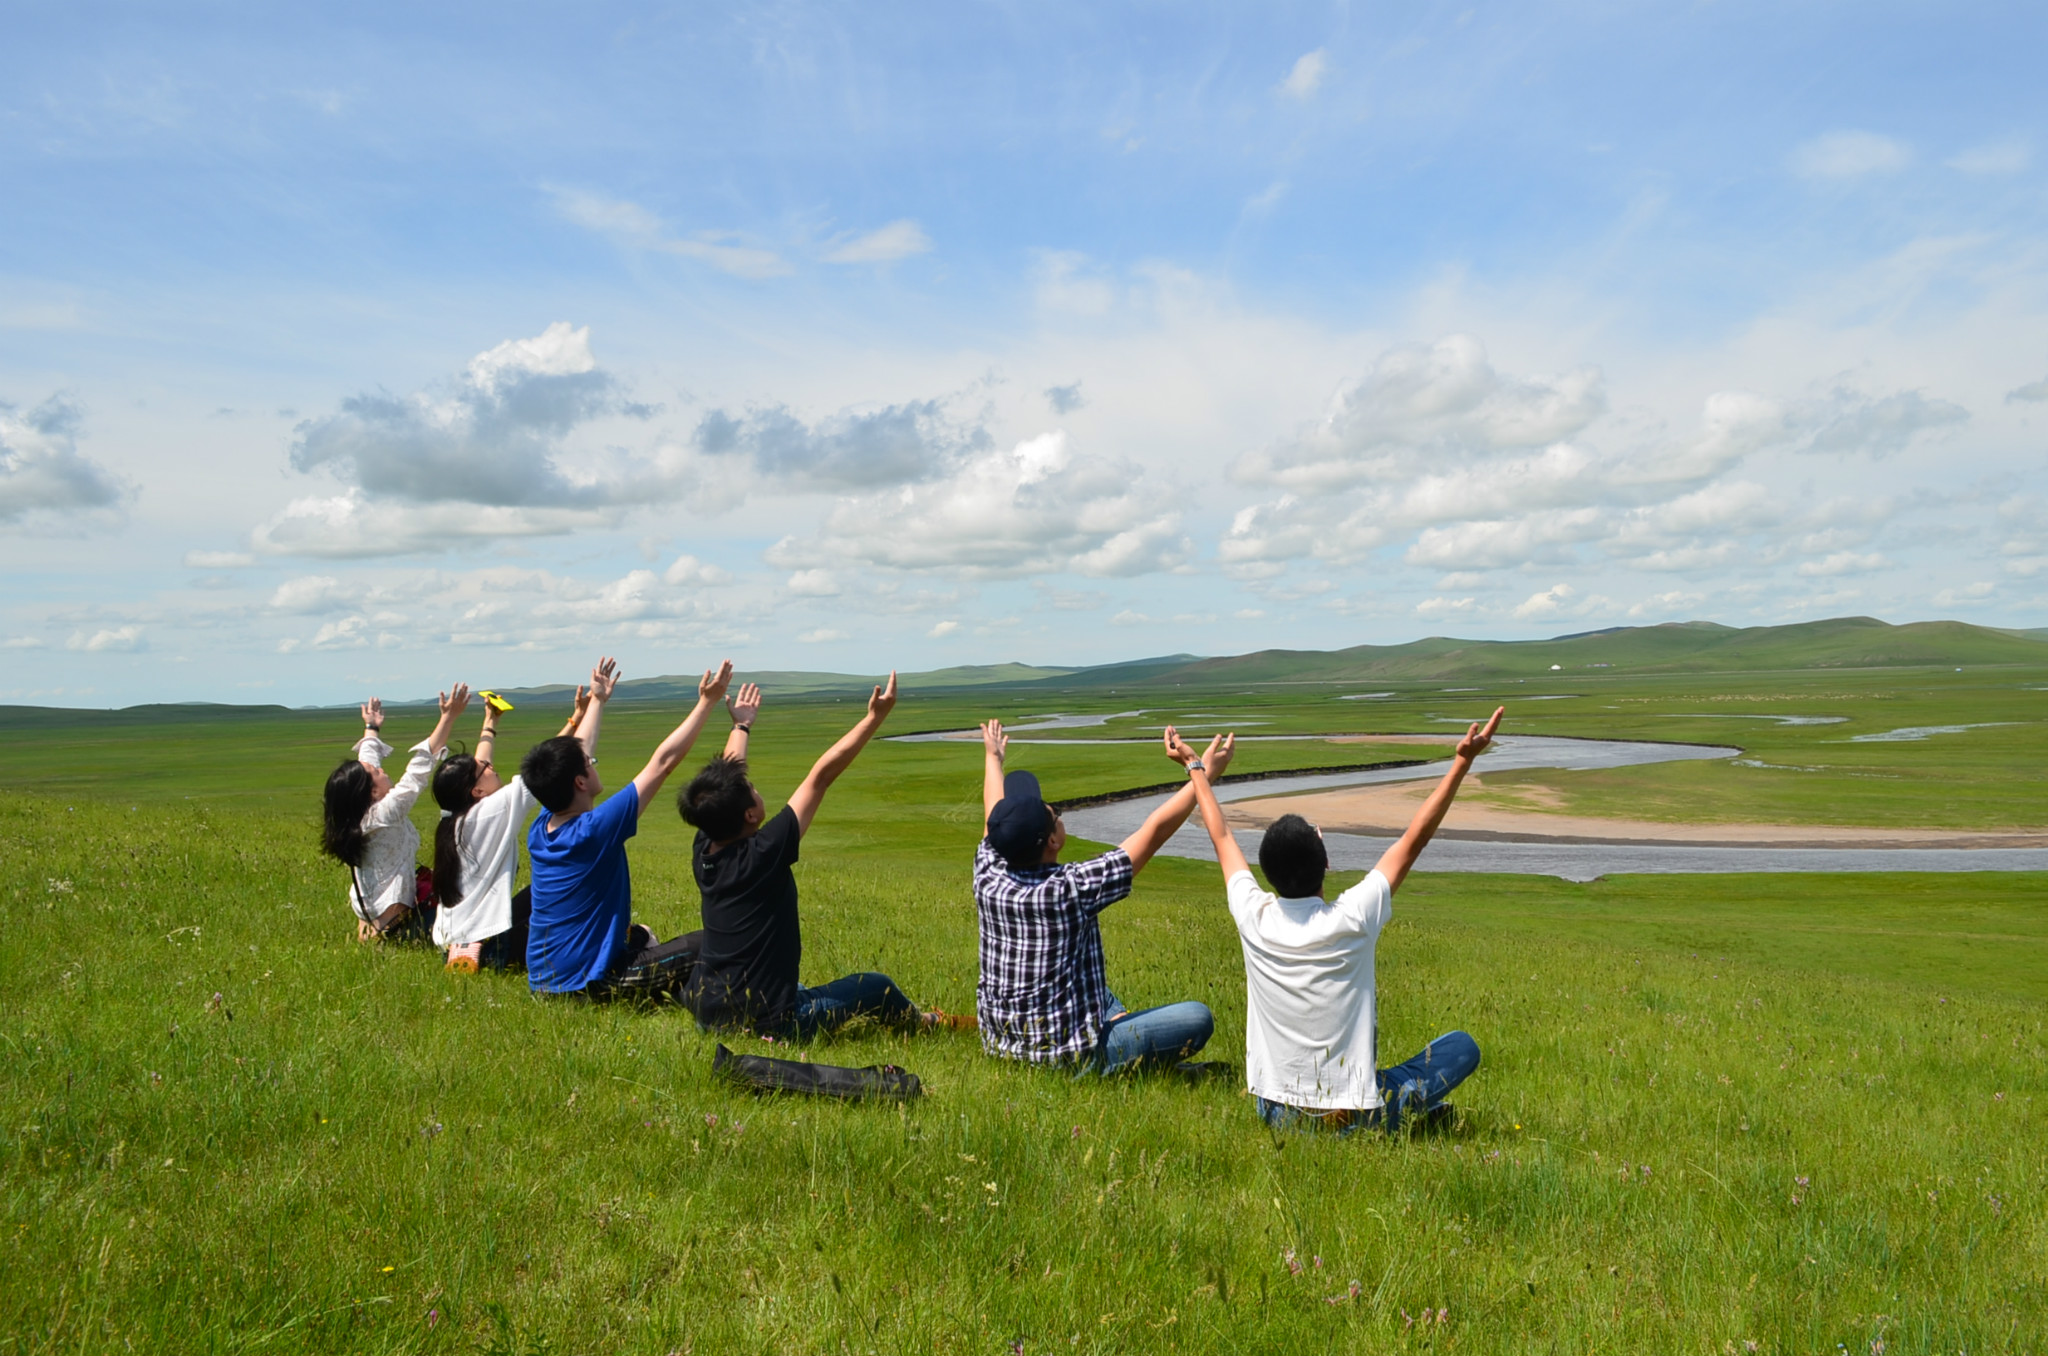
{"x":1311,"y":1017}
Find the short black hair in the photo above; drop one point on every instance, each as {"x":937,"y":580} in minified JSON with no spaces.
{"x":550,"y":769}
{"x":1293,"y":857}
{"x":717,"y":799}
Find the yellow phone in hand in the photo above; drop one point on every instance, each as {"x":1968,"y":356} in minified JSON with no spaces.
{"x":494,"y":701}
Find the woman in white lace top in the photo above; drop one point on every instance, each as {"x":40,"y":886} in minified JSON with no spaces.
{"x":368,"y":822}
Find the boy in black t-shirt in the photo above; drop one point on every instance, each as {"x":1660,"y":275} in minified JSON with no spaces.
{"x":746,"y":977}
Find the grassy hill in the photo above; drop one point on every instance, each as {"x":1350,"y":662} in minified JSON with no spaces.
{"x":1842,"y":642}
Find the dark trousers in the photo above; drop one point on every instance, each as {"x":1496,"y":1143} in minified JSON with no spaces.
{"x":654,"y":972}
{"x":507,"y":950}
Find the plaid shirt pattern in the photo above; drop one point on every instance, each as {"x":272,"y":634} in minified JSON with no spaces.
{"x":1042,"y":995}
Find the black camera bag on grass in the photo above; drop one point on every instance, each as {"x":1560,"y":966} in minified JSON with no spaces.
{"x":876,"y":1082}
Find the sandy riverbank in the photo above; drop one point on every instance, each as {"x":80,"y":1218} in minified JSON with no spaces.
{"x":1384,"y":811}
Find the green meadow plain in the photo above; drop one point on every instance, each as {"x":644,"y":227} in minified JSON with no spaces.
{"x":1717,"y":1113}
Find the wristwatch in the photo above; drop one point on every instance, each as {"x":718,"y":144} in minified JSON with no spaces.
{"x":1196,"y":766}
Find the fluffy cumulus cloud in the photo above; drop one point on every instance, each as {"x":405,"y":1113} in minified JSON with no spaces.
{"x":1462,"y":468}
{"x":42,"y":472}
{"x":512,"y":447}
{"x":1037,"y":508}
{"x":497,"y":606}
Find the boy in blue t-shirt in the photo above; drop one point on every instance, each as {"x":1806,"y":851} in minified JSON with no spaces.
{"x":582,"y":938}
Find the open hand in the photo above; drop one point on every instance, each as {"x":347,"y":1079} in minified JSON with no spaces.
{"x":884,"y":699}
{"x":1475,"y":741}
{"x":711,"y":687}
{"x":582,"y":705}
{"x":373,"y":713}
{"x":455,"y":701}
{"x":1219,"y":753}
{"x":745,"y":704}
{"x":604,"y":679}
{"x":994,"y":740}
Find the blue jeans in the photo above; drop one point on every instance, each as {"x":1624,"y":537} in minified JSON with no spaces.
{"x":1161,"y":1035}
{"x":831,"y":1006}
{"x":1410,"y":1089}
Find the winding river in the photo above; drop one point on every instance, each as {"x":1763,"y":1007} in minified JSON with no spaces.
{"x":1575,"y":860}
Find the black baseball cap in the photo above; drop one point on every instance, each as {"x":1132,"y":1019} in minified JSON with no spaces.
{"x":1021,"y":822}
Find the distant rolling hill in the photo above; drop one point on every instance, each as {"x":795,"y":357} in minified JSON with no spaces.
{"x":1675,"y":647}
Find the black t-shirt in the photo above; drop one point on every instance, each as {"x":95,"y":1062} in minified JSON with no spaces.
{"x":752,"y":944}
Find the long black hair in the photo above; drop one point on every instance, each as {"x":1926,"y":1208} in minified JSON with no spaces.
{"x":348,"y":798}
{"x":454,"y":788}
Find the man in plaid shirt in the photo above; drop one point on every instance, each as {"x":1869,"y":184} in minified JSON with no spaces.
{"x":1043,"y":996}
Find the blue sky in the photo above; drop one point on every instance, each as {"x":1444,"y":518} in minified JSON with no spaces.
{"x":370,"y":348}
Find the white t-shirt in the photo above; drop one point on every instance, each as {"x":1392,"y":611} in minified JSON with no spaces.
{"x":392,"y":846}
{"x":487,"y":841}
{"x":1311,"y":1035}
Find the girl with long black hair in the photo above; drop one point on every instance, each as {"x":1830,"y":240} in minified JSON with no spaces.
{"x":368,"y":821}
{"x":478,"y":918}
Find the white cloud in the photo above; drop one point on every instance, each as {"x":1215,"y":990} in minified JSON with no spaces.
{"x":1998,"y":157}
{"x":1422,"y":403}
{"x":1850,"y":155}
{"x":1445,"y":607}
{"x":1065,"y":399}
{"x":814,"y":584}
{"x":310,"y":594}
{"x":1966,"y":595}
{"x":1849,"y":421}
{"x":690,"y":570}
{"x":218,"y":560}
{"x":1130,"y":617}
{"x":889,"y":446}
{"x":822,"y":636}
{"x":1071,"y":283}
{"x":1670,"y":606}
{"x":1307,"y":74}
{"x":353,"y":526}
{"x":1036,"y":509}
{"x":2034,"y":392}
{"x":897,"y":240}
{"x":41,"y":470}
{"x":634,"y":227}
{"x":1843,"y":562}
{"x":22,"y":643}
{"x":124,"y":639}
{"x":943,"y":629}
{"x":1545,"y":604}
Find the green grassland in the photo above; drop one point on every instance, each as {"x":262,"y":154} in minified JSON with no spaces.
{"x":1799,"y":1111}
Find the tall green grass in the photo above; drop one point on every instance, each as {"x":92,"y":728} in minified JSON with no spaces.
{"x":1804,"y":1112}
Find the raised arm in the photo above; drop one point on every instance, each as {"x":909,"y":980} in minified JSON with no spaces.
{"x":743,"y":706}
{"x":1164,"y":822}
{"x":487,"y":738}
{"x":840,"y":756}
{"x":371,"y":748}
{"x":1399,"y":859}
{"x":575,"y":715}
{"x":1200,"y":770}
{"x":995,"y":745}
{"x":604,"y":680}
{"x":669,"y":754}
{"x":453,"y":703}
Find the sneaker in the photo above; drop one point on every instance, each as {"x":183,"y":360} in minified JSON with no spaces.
{"x":939,"y":1020}
{"x":465,"y":960}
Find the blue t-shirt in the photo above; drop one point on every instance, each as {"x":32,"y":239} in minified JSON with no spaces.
{"x":582,"y":895}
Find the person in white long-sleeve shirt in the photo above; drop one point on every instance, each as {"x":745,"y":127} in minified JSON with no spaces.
{"x":368,"y":818}
{"x":477,"y":916}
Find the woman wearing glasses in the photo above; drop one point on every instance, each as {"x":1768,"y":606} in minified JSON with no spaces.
{"x":476,"y":854}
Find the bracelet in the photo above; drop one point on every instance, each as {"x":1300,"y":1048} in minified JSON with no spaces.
{"x":1196,"y":766}
{"x":744,"y":727}
{"x":374,"y":729}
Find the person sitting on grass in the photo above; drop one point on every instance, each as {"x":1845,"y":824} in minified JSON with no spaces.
{"x":367,"y":824}
{"x":1043,"y":995}
{"x":477,"y":918}
{"x":746,"y":979}
{"x":582,"y":938}
{"x":1311,"y":1014}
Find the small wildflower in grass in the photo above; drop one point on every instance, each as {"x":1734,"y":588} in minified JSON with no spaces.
{"x":1319,"y":1261}
{"x":1293,"y":1262}
{"x":433,"y":1318}
{"x":1076,"y":1134}
{"x":1356,"y":1290}
{"x":710,"y":1119}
